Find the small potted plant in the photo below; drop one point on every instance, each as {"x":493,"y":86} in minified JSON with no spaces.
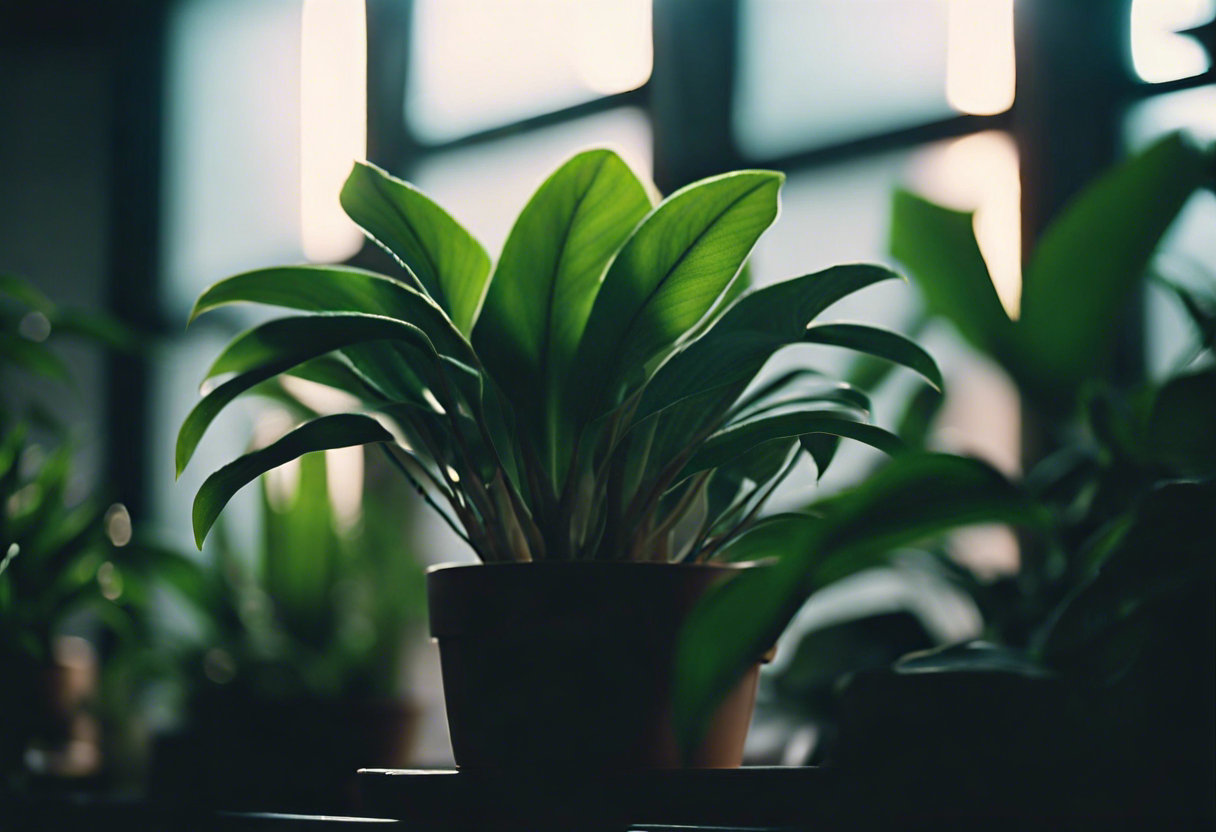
{"x":589,"y":421}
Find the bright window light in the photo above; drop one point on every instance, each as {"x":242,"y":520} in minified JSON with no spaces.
{"x":980,"y":173}
{"x":333,"y":122}
{"x":1159,"y":53}
{"x":980,"y":65}
{"x":479,"y":64}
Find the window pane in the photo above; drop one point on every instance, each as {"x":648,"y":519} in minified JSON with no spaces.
{"x":1159,"y":53}
{"x":485,"y":187}
{"x":815,"y":72}
{"x":479,"y":64}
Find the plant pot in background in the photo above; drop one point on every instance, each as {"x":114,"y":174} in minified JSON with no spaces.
{"x":559,"y":664}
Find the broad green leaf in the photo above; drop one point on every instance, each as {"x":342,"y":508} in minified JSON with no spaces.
{"x":340,"y":431}
{"x":748,"y":334}
{"x":914,"y":497}
{"x":337,"y":289}
{"x":939,"y":250}
{"x":1082,"y":272}
{"x":667,"y":276}
{"x":547,"y":279}
{"x":278,"y":346}
{"x":738,"y":439}
{"x":436,"y":250}
{"x":881,"y":343}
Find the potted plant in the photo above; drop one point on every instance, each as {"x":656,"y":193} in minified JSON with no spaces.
{"x":589,"y":421}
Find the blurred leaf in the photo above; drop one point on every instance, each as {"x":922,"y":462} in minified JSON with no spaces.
{"x":748,"y":334}
{"x":667,"y":276}
{"x":881,"y":343}
{"x":1200,"y":305}
{"x":436,"y":250}
{"x":914,"y":497}
{"x":98,"y":327}
{"x":971,"y":657}
{"x":1084,"y":269}
{"x":738,"y":439}
{"x":546,"y":282}
{"x":1165,"y":549}
{"x":21,"y":291}
{"x":34,"y":357}
{"x":1182,"y":427}
{"x":939,"y":249}
{"x":919,"y":415}
{"x":339,"y":431}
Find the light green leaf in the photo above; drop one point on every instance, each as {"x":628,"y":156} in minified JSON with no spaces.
{"x":340,"y":431}
{"x":438,"y":252}
{"x":1082,"y":272}
{"x":738,"y":439}
{"x":544,"y":285}
{"x":667,"y":276}
{"x":881,"y":343}
{"x":748,"y":334}
{"x":914,"y":497}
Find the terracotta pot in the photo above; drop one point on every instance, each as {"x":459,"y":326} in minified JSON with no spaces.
{"x":569,"y":664}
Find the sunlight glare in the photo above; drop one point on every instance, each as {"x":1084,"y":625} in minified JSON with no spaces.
{"x":980,"y":65}
{"x":1159,"y":53}
{"x":333,"y":122}
{"x":614,"y":50}
{"x":344,"y":476}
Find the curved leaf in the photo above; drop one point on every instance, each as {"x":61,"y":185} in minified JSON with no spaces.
{"x":914,"y":497}
{"x":939,"y":250}
{"x":738,"y":439}
{"x":881,"y":343}
{"x":277,"y":346}
{"x":337,"y":289}
{"x":547,"y":279}
{"x":438,"y":252}
{"x":748,"y":334}
{"x":1083,"y":270}
{"x":340,"y":431}
{"x":667,"y":276}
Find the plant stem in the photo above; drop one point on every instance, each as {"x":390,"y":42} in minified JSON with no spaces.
{"x":400,"y":466}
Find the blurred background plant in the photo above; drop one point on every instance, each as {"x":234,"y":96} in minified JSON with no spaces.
{"x":293,"y":670}
{"x":1106,"y":630}
{"x":67,"y":568}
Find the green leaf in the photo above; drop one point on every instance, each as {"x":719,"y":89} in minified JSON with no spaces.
{"x":547,"y":279}
{"x":919,"y":415}
{"x":340,"y":431}
{"x":738,"y":439}
{"x":337,"y":289}
{"x":881,"y":343}
{"x":914,"y":497}
{"x":96,"y":327}
{"x":34,"y":357}
{"x":21,"y":291}
{"x":437,"y":251}
{"x":277,"y":346}
{"x":748,"y":334}
{"x":939,"y":250}
{"x":1095,"y":253}
{"x":1165,"y":549}
{"x":1182,"y":428}
{"x":667,"y":276}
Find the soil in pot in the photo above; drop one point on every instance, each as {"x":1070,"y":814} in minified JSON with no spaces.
{"x":569,"y":665}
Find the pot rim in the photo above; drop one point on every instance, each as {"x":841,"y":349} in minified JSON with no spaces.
{"x":599,"y":564}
